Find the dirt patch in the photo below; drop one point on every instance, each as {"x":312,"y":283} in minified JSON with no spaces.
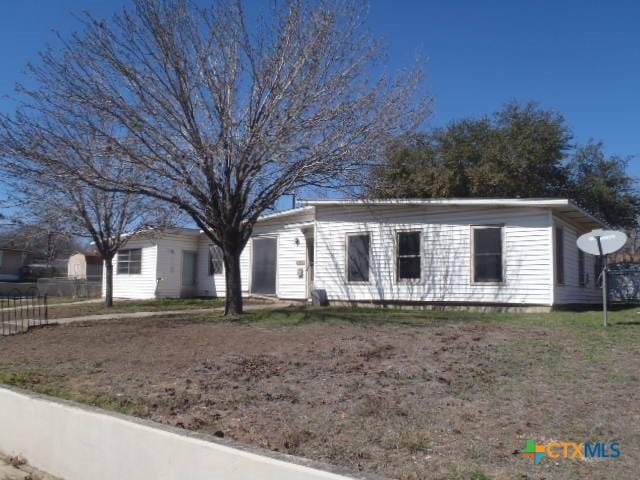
{"x":447,"y":400}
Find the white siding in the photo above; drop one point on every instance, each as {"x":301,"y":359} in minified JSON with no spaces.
{"x":292,"y":256}
{"x":571,"y":291}
{"x":446,"y":244}
{"x":170,"y":248}
{"x":215,"y":285}
{"x":138,"y":286}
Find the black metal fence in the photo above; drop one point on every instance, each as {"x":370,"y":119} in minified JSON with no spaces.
{"x":19,"y":313}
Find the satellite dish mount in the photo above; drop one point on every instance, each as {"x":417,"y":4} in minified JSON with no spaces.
{"x":601,"y":243}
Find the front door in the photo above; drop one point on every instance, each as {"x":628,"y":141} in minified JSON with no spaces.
{"x":263,"y":272}
{"x":189,"y":262}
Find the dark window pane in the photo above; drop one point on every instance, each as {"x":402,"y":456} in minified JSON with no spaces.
{"x":408,"y":243}
{"x":488,"y":268}
{"x":216,"y":261}
{"x":130,"y":261}
{"x":409,"y":268}
{"x":559,"y":255}
{"x":488,"y":240}
{"x":487,"y":254}
{"x":358,"y":258}
{"x":135,"y":268}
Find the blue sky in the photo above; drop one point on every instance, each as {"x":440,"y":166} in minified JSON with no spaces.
{"x":581,"y":58}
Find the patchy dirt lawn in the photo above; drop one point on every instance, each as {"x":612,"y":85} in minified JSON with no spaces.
{"x":405,"y":395}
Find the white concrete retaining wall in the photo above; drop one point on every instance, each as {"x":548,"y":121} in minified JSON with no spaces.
{"x":77,"y":442}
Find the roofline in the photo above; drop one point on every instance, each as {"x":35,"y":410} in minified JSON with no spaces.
{"x":593,"y":218}
{"x":498,"y":202}
{"x":442,"y":201}
{"x":286,"y":213}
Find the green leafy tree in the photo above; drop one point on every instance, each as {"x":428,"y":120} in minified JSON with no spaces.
{"x":520,"y":151}
{"x":603,"y":186}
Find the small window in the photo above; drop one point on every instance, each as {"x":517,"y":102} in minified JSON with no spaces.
{"x":130,"y":261}
{"x":487,"y":254}
{"x":358,"y":258}
{"x":581,"y":273}
{"x":216,"y":261}
{"x":408,"y":261}
{"x":559,"y":255}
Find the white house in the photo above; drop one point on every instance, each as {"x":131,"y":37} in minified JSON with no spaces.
{"x":511,"y":252}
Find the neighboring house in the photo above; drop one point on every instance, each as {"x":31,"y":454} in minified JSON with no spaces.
{"x":85,"y":266}
{"x":440,"y":251}
{"x":11,"y":262}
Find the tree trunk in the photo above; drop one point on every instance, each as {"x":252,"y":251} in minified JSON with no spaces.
{"x":108,"y":296}
{"x":233,"y":299}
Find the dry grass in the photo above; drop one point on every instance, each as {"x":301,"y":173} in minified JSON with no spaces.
{"x":128,"y":306}
{"x":410,"y":395}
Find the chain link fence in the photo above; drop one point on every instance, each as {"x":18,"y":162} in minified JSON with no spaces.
{"x":53,"y":287}
{"x":623,"y":282}
{"x":69,"y":287}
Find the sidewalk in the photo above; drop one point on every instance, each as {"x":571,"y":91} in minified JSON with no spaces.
{"x":158,"y":313}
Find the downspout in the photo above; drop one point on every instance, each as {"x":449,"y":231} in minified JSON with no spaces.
{"x":552,"y":256}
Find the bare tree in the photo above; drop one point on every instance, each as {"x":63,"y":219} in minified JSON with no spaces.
{"x":72,"y":208}
{"x":41,"y":234}
{"x":222,"y":118}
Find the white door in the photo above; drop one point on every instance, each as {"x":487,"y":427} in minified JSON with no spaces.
{"x":189,"y":262}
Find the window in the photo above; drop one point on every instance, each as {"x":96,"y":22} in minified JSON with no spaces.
{"x":487,"y":254}
{"x":408,"y":261}
{"x":130,"y":261}
{"x":358,"y":258}
{"x":582,"y":280}
{"x":559,"y":255}
{"x":597,"y":271}
{"x":216,"y":261}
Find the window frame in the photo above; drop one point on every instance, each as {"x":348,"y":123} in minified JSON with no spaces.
{"x":346,"y":258}
{"x":397,"y":257}
{"x":472,"y":242}
{"x":211,"y":272}
{"x":583,"y":281}
{"x":559,"y":279}
{"x":128,"y":261}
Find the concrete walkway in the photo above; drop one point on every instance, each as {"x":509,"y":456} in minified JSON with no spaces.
{"x":158,"y":313}
{"x":17,"y":469}
{"x":81,"y":302}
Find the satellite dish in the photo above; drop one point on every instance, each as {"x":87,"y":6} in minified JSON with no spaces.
{"x":610,"y":241}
